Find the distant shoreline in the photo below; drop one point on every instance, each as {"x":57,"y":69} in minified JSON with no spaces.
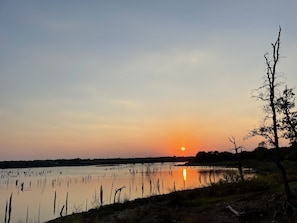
{"x":89,"y":162}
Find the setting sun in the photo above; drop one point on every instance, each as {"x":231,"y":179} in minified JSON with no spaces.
{"x":183,"y":149}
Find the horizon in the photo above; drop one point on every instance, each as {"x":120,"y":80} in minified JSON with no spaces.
{"x":138,"y":157}
{"x":98,"y":158}
{"x":131,"y":79}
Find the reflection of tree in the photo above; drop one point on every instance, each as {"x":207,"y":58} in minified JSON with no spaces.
{"x":210,"y":176}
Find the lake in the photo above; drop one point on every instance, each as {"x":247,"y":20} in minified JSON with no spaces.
{"x":39,"y":194}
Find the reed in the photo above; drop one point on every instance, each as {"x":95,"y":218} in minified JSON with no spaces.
{"x":55,"y":199}
{"x":66,"y":203}
{"x":142,"y":189}
{"x":101,"y":195}
{"x":8,"y":210}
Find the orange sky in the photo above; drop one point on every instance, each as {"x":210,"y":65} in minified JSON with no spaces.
{"x":127,"y":79}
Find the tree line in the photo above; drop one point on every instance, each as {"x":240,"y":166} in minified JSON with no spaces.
{"x":260,"y":153}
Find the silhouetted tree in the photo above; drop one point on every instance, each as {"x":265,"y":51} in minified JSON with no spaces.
{"x":285,"y":104}
{"x":267,"y":93}
{"x":238,"y":156}
{"x":262,"y":144}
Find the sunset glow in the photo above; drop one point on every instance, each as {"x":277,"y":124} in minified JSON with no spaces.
{"x":125,"y":79}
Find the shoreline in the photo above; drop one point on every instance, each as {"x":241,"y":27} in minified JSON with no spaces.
{"x":89,"y":162}
{"x":252,"y":201}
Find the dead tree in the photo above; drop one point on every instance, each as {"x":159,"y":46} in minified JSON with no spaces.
{"x":238,"y":156}
{"x":267,"y":93}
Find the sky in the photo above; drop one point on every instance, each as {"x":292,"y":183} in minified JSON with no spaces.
{"x":123,"y":78}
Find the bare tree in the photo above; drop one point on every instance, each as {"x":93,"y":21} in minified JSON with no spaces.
{"x":238,"y":155}
{"x":267,"y":93}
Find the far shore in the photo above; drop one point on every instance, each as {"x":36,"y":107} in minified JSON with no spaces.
{"x":89,"y":162}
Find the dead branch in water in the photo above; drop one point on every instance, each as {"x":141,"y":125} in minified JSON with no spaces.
{"x":61,"y":212}
{"x":115,"y":194}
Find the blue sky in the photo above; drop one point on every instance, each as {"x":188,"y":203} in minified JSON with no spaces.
{"x":135,"y":78}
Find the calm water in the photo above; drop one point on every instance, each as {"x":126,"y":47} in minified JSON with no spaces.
{"x":34,"y":190}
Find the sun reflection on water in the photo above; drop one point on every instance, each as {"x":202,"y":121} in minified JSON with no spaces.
{"x":185,"y":174}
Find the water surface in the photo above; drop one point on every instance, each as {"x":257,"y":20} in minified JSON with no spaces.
{"x":39,"y":194}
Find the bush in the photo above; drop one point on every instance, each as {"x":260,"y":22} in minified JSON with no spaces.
{"x":231,"y":185}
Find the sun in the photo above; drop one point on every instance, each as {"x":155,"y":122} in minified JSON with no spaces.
{"x":183,"y":148}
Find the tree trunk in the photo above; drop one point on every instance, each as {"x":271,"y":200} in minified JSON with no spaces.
{"x":271,"y":76}
{"x":284,"y":176}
